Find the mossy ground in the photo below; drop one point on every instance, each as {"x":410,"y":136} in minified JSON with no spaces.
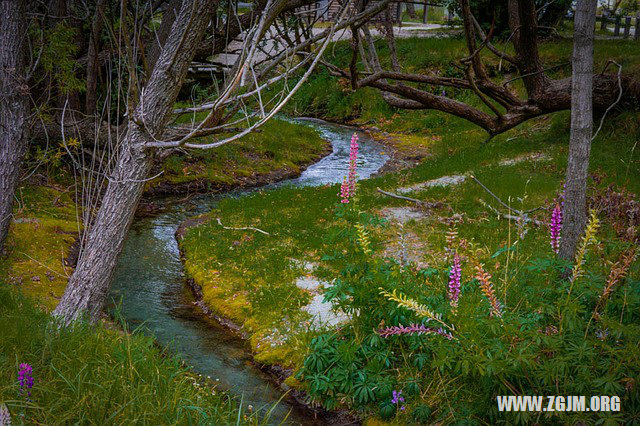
{"x":39,"y":241}
{"x":250,"y":277}
{"x":279,"y":148}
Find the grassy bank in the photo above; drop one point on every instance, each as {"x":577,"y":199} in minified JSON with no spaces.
{"x":280,"y":149}
{"x":95,"y":375}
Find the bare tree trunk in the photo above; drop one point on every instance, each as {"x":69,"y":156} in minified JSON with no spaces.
{"x":13,"y":106}
{"x":91,"y":96}
{"x":89,"y":285}
{"x":169,"y":14}
{"x":411,"y":10}
{"x":581,"y":128}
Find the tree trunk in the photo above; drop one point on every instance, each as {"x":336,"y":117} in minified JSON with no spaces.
{"x":91,"y":96}
{"x":169,"y":14}
{"x":89,"y":285}
{"x":13,"y":106}
{"x":411,"y":10}
{"x":581,"y":128}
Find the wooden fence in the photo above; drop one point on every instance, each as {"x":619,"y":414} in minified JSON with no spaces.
{"x":621,"y":24}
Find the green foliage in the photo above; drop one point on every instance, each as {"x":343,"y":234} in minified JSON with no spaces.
{"x":548,"y":341}
{"x":59,"y":57}
{"x":97,"y":375}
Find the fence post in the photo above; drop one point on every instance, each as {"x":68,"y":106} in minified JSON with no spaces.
{"x":616,"y":32}
{"x":604,"y":18}
{"x":627,"y":26}
{"x":425,"y":12}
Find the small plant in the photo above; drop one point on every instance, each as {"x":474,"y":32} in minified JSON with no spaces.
{"x":25,"y":379}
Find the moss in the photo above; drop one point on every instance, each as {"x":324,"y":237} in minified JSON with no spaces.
{"x":39,"y":241}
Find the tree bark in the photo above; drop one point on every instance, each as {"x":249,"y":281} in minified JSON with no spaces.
{"x":91,"y":97}
{"x":169,"y":14}
{"x":13,"y":106}
{"x":574,"y":213}
{"x":89,"y":285}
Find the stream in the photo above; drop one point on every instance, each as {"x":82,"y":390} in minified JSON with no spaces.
{"x":150,"y":293}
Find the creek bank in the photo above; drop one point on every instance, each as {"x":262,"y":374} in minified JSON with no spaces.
{"x":277,"y":373}
{"x":257,"y":179}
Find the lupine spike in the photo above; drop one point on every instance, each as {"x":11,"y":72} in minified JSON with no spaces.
{"x":25,"y":378}
{"x":413,"y":329}
{"x":487,"y":288}
{"x":416,"y":307}
{"x":454,"y":281}
{"x":555,"y":226}
{"x":588,"y":239}
{"x":348,"y":187}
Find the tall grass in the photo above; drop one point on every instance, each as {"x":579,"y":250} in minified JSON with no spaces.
{"x":98,"y":375}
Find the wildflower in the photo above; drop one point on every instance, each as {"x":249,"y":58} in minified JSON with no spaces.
{"x":344,"y":191}
{"x":555,"y":227}
{"x":5,"y":416}
{"x":487,"y":288}
{"x":413,"y":329}
{"x":416,"y":307}
{"x":588,"y":239}
{"x":397,"y":399}
{"x":444,"y":93}
{"x":348,"y":187}
{"x":353,"y":165}
{"x":454,"y":281}
{"x":452,"y":238}
{"x":25,"y":378}
{"x":363,"y":239}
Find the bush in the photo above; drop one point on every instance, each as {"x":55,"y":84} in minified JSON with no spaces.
{"x":526,"y":331}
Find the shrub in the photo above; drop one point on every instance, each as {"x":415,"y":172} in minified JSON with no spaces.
{"x":530,"y":332}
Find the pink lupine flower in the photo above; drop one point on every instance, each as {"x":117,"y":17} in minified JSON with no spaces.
{"x":454,"y":281}
{"x":348,"y":187}
{"x":413,"y":329}
{"x":353,"y":165}
{"x":555,"y":227}
{"x":344,"y":191}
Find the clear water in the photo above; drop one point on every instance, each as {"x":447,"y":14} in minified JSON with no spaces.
{"x":149,"y":285}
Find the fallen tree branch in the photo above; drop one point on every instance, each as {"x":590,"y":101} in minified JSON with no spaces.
{"x":400,"y":197}
{"x":244,"y":228}
{"x":524,"y":217}
{"x":520,"y":213}
{"x":421,"y":203}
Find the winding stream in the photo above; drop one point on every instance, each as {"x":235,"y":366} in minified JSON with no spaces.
{"x":149,"y":284}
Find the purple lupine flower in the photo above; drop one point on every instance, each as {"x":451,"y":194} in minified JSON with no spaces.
{"x":555,"y":227}
{"x":25,"y":378}
{"x":413,"y":329}
{"x":444,"y":93}
{"x":454,"y":281}
{"x":397,"y":399}
{"x":5,"y":416}
{"x":348,"y":187}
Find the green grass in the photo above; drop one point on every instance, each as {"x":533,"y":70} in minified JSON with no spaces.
{"x":279,"y":147}
{"x":250,"y":277}
{"x":97,"y":375}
